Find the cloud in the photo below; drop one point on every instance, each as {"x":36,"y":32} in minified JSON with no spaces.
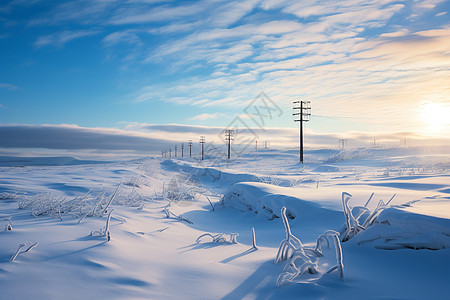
{"x":143,"y":14}
{"x":125,"y":36}
{"x":151,"y":139}
{"x":8,"y":86}
{"x":71,"y":137}
{"x":177,"y":129}
{"x":205,"y":116}
{"x":61,"y":38}
{"x":281,"y":137}
{"x":232,"y":12}
{"x":359,"y":62}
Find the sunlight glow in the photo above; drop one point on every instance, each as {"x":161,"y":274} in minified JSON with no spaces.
{"x":436,"y":117}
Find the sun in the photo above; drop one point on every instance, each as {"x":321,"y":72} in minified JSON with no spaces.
{"x":436,"y":117}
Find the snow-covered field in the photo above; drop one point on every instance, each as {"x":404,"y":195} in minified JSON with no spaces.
{"x":129,"y":229}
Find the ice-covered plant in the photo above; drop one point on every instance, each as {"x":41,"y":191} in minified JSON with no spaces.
{"x":8,"y":226}
{"x":8,"y":196}
{"x":181,"y":188}
{"x":287,"y":246}
{"x":352,"y":225}
{"x":23,"y":248}
{"x":339,"y":257}
{"x":305,"y":261}
{"x":254,"y":239}
{"x":359,"y":218}
{"x":179,"y":217}
{"x":111,"y":198}
{"x":104,"y":231}
{"x":220,"y":238}
{"x":210,"y":203}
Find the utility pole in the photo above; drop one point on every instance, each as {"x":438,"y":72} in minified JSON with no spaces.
{"x":202,"y":141}
{"x":176,"y":150}
{"x":170,"y":152}
{"x":229,"y":137}
{"x":182,"y":149}
{"x":342,"y":142}
{"x":190,"y":148}
{"x":304,"y":115}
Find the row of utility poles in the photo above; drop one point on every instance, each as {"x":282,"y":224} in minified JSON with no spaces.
{"x":229,"y":136}
{"x":302,"y":113}
{"x":202,"y":142}
{"x":164,"y":153}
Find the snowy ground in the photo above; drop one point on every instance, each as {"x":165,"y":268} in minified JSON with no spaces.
{"x":405,"y":254}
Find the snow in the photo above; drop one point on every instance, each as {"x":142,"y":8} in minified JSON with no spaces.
{"x":404,"y":254}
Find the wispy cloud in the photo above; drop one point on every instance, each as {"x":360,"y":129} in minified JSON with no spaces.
{"x":61,"y":38}
{"x":205,"y":116}
{"x":139,"y":14}
{"x":125,"y":36}
{"x":8,"y":86}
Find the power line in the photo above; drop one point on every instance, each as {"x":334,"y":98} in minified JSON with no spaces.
{"x":190,"y":147}
{"x":351,"y":118}
{"x":202,"y":141}
{"x":229,"y":137}
{"x":304,"y":115}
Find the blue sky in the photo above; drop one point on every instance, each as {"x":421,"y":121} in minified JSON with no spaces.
{"x":369,"y":66}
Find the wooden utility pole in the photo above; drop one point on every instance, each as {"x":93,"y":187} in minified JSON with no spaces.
{"x":304,"y":115}
{"x":229,"y":137}
{"x":202,"y":141}
{"x":343,"y":142}
{"x":190,"y":148}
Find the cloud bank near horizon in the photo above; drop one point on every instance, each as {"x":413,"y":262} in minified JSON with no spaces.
{"x":146,"y":139}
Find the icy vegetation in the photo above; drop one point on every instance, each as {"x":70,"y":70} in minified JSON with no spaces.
{"x":393,"y":227}
{"x":181,"y":228}
{"x":23,"y":248}
{"x":220,"y":238}
{"x":304,"y":264}
{"x":104,"y":231}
